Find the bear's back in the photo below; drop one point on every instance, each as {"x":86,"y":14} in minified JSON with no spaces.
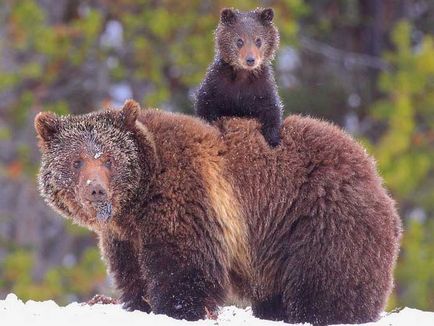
{"x":314,"y":160}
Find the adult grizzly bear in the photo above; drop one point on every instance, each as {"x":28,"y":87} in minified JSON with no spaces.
{"x":189,"y":214}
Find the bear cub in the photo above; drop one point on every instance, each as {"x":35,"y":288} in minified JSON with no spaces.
{"x":240,"y":82}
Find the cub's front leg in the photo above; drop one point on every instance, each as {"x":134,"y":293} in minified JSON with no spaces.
{"x":183,"y":284}
{"x":123,"y":262}
{"x":271,"y":118}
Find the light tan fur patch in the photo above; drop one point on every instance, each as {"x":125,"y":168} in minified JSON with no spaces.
{"x":229,"y":213}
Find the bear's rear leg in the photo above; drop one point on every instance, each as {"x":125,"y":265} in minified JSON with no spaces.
{"x":271,"y":308}
{"x":318,"y":307}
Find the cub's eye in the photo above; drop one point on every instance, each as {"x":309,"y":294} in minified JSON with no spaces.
{"x":77,"y":164}
{"x":258,"y":42}
{"x":108,"y":164}
{"x":240,"y":43}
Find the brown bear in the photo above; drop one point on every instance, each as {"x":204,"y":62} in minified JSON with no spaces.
{"x":190,"y":214}
{"x":240,"y":82}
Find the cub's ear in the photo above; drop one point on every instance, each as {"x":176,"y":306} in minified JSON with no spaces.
{"x":130,"y":112}
{"x":228,"y":16}
{"x":266,"y":16}
{"x":47,"y":124}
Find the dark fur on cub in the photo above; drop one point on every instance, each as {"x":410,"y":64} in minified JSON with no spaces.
{"x":240,"y":81}
{"x":306,"y":232}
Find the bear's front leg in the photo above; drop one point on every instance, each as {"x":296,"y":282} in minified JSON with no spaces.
{"x":179,"y":286}
{"x":124,"y":267}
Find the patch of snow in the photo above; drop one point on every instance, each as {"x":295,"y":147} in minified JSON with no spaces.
{"x":97,"y":155}
{"x":88,"y":182}
{"x":13,"y":311}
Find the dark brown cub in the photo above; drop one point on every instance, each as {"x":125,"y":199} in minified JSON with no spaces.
{"x":240,"y":82}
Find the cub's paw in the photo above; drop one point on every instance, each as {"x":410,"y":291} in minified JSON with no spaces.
{"x":273,"y":141}
{"x":271,"y":136}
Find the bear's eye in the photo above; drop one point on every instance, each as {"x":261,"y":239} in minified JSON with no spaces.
{"x":108,"y":164}
{"x":240,"y":43}
{"x":258,"y":42}
{"x":77,"y":164}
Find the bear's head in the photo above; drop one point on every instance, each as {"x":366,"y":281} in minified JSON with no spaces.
{"x":97,"y":167}
{"x":247,"y":40}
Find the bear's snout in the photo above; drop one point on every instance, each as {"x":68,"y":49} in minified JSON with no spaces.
{"x":95,"y":192}
{"x":95,"y":196}
{"x":250,"y":61}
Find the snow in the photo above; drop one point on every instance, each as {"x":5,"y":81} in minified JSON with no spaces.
{"x":13,"y":311}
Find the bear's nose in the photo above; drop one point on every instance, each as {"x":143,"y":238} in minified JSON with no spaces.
{"x":250,"y":61}
{"x":95,"y":192}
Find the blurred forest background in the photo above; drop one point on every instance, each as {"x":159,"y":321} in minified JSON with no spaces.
{"x":367,"y":65}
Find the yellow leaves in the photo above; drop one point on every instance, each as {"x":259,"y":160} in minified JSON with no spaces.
{"x":161,"y":22}
{"x":87,"y":274}
{"x":5,"y":133}
{"x":425,"y":62}
{"x":156,"y":97}
{"x":16,"y":267}
{"x":17,"y":271}
{"x":60,"y":107}
{"x":31,"y":70}
{"x":401,"y":38}
{"x":403,"y":174}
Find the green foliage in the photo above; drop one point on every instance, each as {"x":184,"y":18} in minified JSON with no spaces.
{"x":58,"y":283}
{"x":405,"y":155}
{"x":416,"y":266}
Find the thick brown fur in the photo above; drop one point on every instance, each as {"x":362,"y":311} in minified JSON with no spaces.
{"x":305,"y":232}
{"x":240,"y":82}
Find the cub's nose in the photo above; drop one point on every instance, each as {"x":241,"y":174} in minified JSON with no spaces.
{"x":95,"y":192}
{"x":250,"y":61}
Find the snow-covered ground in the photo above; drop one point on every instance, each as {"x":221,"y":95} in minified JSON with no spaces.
{"x":14,"y":312}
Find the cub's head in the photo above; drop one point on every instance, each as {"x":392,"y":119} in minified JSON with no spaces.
{"x":246,"y":40}
{"x":95,"y":167}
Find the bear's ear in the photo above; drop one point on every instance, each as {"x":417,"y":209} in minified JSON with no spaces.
{"x":228,"y":16}
{"x":129,"y":113}
{"x":47,"y":124}
{"x":266,"y":16}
